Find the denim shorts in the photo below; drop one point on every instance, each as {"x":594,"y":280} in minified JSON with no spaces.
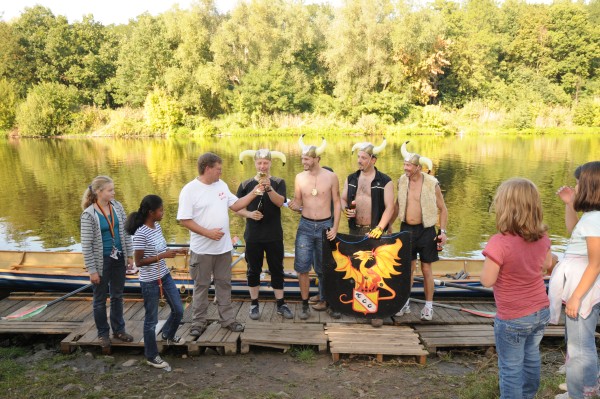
{"x":309,"y":244}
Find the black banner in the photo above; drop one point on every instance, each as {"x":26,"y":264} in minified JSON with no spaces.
{"x":365,"y":277}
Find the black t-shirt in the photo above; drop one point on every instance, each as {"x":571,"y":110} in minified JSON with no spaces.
{"x":269,"y":227}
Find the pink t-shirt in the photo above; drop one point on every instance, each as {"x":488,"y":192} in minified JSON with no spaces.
{"x":519,"y":290}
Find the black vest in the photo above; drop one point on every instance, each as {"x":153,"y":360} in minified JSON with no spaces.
{"x":377,"y":197}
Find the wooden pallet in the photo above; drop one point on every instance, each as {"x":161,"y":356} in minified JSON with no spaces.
{"x":283,"y":335}
{"x":435,"y":336}
{"x":87,"y":335}
{"x":360,"y":339}
{"x":215,"y":336}
{"x":33,"y":327}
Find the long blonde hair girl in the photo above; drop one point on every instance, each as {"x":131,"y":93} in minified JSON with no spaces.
{"x":89,"y":195}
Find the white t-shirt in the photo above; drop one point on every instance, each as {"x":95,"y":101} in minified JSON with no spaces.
{"x":152,"y":242}
{"x":208,"y":206}
{"x":587,"y":226}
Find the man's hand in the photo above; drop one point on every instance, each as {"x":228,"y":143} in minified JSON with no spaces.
{"x":215,"y":234}
{"x":331,"y":234}
{"x":376,"y":232}
{"x":350,"y":213}
{"x":95,"y":278}
{"x":255,"y":215}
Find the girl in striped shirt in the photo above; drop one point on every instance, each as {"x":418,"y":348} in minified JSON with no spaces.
{"x":150,"y":250}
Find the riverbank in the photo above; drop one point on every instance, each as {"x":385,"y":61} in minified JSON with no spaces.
{"x":33,"y":367}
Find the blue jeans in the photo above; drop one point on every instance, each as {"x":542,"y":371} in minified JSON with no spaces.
{"x":112,"y":281}
{"x":582,"y":361}
{"x":518,"y":346}
{"x":309,"y":248}
{"x":151,"y":294}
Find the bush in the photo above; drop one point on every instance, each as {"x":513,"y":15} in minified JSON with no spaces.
{"x":162,"y":112}
{"x":88,"y":120}
{"x":587,"y":112}
{"x":48,"y":109}
{"x":8,"y":104}
{"x":389,"y":106}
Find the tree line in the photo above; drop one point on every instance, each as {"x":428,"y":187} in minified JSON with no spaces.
{"x":365,"y":64}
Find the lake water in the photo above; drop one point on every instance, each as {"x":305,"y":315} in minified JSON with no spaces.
{"x":42,"y":180}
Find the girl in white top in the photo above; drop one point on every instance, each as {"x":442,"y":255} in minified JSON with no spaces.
{"x":150,"y":251}
{"x":576,"y":281}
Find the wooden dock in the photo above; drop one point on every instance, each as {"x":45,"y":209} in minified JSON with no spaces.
{"x":400,"y":336}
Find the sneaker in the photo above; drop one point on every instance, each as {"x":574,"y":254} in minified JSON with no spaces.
{"x":236,"y":326}
{"x":427,"y":313}
{"x":254,"y":312}
{"x":176,"y":340}
{"x":376,"y":322}
{"x":197,"y":330}
{"x":305,"y":313}
{"x":320,"y":306}
{"x":405,"y":309}
{"x":314,"y":299}
{"x":333,"y":313}
{"x":157,"y":362}
{"x":562,"y":369}
{"x":564,"y":395}
{"x":284,"y":311}
{"x":563,"y":387}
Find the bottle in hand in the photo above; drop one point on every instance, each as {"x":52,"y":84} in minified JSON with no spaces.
{"x":352,"y":206}
{"x":439,"y":241}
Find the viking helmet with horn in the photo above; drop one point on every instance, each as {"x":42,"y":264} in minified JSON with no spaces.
{"x":262,"y":154}
{"x":370,"y":148}
{"x":312,"y":150}
{"x":415,"y":158}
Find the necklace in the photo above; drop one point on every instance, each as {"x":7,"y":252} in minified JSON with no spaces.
{"x":314,"y":191}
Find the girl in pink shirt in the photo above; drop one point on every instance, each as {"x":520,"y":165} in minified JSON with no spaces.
{"x":515,"y":260}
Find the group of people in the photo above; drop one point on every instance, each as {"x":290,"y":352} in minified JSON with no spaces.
{"x":517,"y":258}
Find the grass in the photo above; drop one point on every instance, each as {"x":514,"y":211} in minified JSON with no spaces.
{"x":304,"y":354}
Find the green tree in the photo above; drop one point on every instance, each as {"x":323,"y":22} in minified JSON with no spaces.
{"x":162,"y":112}
{"x":8,"y":103}
{"x":48,"y":110}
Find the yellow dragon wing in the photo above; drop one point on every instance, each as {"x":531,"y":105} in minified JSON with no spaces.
{"x":344,"y":264}
{"x":386,"y":257}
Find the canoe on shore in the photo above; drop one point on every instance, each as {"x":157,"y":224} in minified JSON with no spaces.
{"x":64,"y":271}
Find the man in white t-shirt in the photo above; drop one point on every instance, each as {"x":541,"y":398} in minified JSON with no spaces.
{"x":203,"y":209}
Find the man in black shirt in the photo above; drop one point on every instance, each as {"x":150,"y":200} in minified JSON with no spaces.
{"x":264,"y":233}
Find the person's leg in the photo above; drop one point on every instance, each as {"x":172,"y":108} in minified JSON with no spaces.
{"x":317,"y":254}
{"x":200,"y":272}
{"x":531,"y":362}
{"x":254,"y":260}
{"x":582,"y":364}
{"x":174,"y":300}
{"x":151,"y":293}
{"x":99,"y":302}
{"x":117,"y":286}
{"x":222,"y":276}
{"x":510,"y":336}
{"x":302,"y":258}
{"x":275,"y":254}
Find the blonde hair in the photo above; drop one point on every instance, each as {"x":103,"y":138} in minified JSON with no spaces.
{"x":89,"y":195}
{"x":518,"y":209}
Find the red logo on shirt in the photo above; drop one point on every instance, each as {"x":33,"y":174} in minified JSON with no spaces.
{"x":221,"y":195}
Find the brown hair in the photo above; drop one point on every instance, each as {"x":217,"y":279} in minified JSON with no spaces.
{"x":518,"y":209}
{"x":207,"y":160}
{"x":89,"y":195}
{"x":587,"y":196}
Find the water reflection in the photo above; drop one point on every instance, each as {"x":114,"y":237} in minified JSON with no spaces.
{"x":43,"y":180}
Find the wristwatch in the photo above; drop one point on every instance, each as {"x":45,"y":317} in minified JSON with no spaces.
{"x":443,"y":231}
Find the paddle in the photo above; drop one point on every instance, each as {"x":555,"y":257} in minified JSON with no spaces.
{"x":443,"y":283}
{"x":480,"y":313}
{"x":39,"y":309}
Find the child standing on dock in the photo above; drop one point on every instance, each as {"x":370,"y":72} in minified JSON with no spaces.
{"x":150,"y":250}
{"x":515,"y":260}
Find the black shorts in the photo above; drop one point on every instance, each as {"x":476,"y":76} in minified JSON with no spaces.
{"x":423,"y":241}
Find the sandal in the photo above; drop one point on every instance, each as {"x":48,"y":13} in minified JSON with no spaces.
{"x":235,"y":327}
{"x":197,"y":331}
{"x":104,"y":342}
{"x":123,"y":336}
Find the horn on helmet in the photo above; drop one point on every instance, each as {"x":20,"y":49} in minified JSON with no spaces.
{"x":377,"y":150}
{"x":357,"y":146}
{"x":403,"y":151}
{"x":247,"y":153}
{"x":321,"y":148}
{"x":278,"y":155}
{"x":424,"y":161}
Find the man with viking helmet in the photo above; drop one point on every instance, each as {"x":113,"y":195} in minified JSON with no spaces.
{"x":368,"y":197}
{"x":263,"y":233}
{"x":314,"y":191}
{"x":419,"y":201}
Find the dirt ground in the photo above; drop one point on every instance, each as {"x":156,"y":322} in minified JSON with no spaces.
{"x":299,"y":373}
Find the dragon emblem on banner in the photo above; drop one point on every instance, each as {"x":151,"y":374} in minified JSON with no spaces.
{"x":376,"y":266}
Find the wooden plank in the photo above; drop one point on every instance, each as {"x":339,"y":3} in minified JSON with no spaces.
{"x":32,"y":327}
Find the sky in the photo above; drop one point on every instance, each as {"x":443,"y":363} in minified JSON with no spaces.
{"x":109,"y":11}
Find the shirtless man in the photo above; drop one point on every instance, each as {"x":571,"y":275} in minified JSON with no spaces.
{"x":314,"y":190}
{"x":372,"y":195}
{"x":419,"y":201}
